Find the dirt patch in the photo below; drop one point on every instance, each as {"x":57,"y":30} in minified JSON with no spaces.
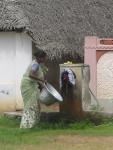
{"x":73,"y":142}
{"x":84,"y":139}
{"x":51,"y":108}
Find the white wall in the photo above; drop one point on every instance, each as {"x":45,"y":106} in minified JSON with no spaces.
{"x":23,"y":59}
{"x":15,"y":56}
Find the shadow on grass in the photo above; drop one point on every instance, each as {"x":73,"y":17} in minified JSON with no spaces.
{"x":56,"y":121}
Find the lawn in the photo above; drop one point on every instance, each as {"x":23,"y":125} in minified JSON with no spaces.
{"x":55,"y":136}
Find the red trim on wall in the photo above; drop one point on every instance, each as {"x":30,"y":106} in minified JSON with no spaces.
{"x":99,"y":53}
{"x":106,"y":42}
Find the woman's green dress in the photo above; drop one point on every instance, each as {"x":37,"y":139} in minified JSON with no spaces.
{"x":30,"y":92}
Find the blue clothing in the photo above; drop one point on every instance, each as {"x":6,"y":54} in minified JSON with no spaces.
{"x":35,"y":67}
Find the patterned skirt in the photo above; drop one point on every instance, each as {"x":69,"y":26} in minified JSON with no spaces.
{"x":31,"y":112}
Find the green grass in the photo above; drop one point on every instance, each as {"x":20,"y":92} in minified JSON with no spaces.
{"x":12,"y":136}
{"x":10,"y":127}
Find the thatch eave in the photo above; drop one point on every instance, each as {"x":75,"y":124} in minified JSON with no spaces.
{"x":57,"y":52}
{"x":12,"y":17}
{"x":2,"y":29}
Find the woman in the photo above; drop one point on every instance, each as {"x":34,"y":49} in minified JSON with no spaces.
{"x":32,"y":80}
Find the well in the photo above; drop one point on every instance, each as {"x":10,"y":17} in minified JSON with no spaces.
{"x":78,"y":98}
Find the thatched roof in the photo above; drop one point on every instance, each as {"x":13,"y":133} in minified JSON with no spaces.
{"x":12,"y":16}
{"x":59,"y":26}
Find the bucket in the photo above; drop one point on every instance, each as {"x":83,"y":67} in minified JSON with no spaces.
{"x":49,"y":95}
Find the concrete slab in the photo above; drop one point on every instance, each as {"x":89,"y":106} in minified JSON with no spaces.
{"x":13,"y":114}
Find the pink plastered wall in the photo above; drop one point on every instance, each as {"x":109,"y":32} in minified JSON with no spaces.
{"x":92,"y":47}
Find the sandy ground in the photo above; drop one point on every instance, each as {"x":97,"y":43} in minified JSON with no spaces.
{"x":73,"y":142}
